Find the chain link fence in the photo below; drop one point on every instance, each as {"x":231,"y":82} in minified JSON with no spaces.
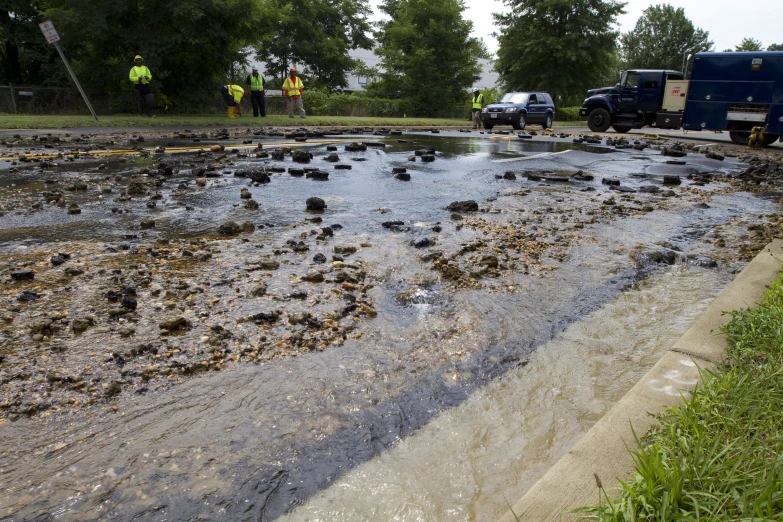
{"x":34,"y":100}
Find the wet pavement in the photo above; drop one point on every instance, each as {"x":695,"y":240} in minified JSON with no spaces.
{"x":172,"y":352}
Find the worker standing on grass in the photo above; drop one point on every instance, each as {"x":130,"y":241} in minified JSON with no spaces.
{"x":292,"y":90}
{"x":140,"y":76}
{"x":256,"y":84}
{"x":478,"y":103}
{"x":233,"y":95}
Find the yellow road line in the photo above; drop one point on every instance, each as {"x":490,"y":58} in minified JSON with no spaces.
{"x":170,"y":150}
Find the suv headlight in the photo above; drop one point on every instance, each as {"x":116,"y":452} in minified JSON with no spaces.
{"x":511,"y":109}
{"x":484,"y":109}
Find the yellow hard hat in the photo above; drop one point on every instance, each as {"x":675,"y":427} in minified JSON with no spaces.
{"x":138,"y":57}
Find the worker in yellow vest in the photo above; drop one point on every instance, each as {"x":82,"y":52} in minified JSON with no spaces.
{"x":478,"y":103}
{"x":292,"y":90}
{"x":255,"y":83}
{"x":140,"y":76}
{"x":233,"y":95}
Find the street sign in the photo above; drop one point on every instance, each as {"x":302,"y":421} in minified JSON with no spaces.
{"x":48,"y":30}
{"x":50,"y":33}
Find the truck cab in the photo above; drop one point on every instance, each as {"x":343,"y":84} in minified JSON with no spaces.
{"x":634,"y":102}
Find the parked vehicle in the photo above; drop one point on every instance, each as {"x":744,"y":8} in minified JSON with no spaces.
{"x":518,"y":109}
{"x":727,"y":91}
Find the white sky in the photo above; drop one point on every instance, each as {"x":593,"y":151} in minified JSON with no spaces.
{"x":728,"y":21}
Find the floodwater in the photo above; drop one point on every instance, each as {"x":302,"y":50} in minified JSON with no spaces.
{"x":452,"y":401}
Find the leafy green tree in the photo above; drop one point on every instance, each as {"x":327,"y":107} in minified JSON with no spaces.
{"x":25,"y":56}
{"x":190,"y":46}
{"x":428,"y":57}
{"x":662,"y":37}
{"x":562,"y":46}
{"x":775,"y":47}
{"x":748,"y":44}
{"x":316,"y":35}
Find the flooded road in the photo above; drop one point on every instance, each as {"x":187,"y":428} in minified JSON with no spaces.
{"x":444,"y":360}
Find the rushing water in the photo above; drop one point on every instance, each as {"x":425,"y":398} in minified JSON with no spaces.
{"x":449,"y":402}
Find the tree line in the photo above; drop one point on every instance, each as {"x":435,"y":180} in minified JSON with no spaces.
{"x":427,"y":56}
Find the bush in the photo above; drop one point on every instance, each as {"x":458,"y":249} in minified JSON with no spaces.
{"x":320,"y":102}
{"x":568,"y":114}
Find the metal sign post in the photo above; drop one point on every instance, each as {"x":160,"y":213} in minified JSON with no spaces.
{"x":48,"y":30}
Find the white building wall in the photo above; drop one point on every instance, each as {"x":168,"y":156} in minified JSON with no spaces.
{"x":488,"y":79}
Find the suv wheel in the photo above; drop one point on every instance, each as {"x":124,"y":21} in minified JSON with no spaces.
{"x":548,"y":122}
{"x":599,"y":120}
{"x":487,"y":125}
{"x":520,"y":124}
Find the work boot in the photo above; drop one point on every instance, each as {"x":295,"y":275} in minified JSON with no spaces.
{"x":231,"y":111}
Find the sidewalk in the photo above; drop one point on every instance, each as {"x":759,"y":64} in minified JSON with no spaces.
{"x":603,"y":450}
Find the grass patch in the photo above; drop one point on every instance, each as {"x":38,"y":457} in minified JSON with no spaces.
{"x":718,"y":457}
{"x":9,"y":121}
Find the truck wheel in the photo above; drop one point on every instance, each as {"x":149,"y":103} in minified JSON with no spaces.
{"x":520,"y":124}
{"x":599,"y":120}
{"x":622,"y":129}
{"x":548,"y":122}
{"x":739,"y":137}
{"x":769,"y":139}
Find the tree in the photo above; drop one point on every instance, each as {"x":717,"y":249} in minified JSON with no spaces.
{"x":191,"y":46}
{"x":25,"y":56}
{"x":427,"y":54}
{"x":565,"y":46}
{"x":316,"y":35}
{"x":775,"y":47}
{"x":748,"y":44}
{"x":662,"y":37}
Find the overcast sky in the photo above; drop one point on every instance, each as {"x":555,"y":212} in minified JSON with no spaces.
{"x":728,"y":21}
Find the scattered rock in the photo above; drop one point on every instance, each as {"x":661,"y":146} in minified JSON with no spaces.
{"x":176,"y":325}
{"x":463,"y":206}
{"x":229,"y":228}
{"x":80,"y":324}
{"x":345,"y":249}
{"x":315,"y":204}
{"x":22,"y":275}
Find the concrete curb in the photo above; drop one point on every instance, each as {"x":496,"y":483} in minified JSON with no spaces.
{"x":570,"y":483}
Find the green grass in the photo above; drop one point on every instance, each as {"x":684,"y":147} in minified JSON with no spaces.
{"x":718,"y":457}
{"x":8,"y":121}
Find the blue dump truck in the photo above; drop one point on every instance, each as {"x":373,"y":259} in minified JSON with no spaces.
{"x":732,"y":92}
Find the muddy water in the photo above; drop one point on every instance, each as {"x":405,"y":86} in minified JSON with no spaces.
{"x":255,"y":441}
{"x":494,"y":446}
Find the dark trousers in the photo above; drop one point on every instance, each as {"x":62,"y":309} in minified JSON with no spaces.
{"x":144,"y":99}
{"x":226,"y":96}
{"x":259,"y":106}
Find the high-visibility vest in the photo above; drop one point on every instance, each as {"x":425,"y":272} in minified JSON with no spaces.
{"x":138,"y":72}
{"x":293,"y":86}
{"x":236,"y":91}
{"x":478,"y":101}
{"x":256,"y":83}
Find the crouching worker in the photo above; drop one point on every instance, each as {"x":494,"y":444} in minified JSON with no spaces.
{"x":233,"y":95}
{"x":140,"y":76}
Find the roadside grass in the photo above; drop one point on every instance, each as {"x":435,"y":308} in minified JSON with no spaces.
{"x":10,"y":121}
{"x":719,"y":456}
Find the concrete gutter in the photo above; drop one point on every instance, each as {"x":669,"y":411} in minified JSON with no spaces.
{"x":603,"y":450}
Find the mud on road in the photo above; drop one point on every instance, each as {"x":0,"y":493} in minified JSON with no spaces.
{"x":134,"y":262}
{"x":86,"y":320}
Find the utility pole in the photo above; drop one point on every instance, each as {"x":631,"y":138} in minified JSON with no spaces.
{"x":48,"y":30}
